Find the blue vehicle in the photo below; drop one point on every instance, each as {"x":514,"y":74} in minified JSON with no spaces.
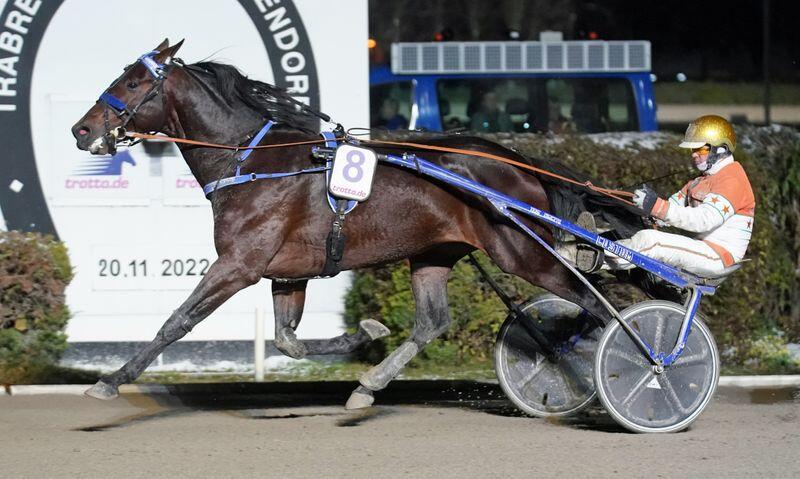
{"x":532,"y":86}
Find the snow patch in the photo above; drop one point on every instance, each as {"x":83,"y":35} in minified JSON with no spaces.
{"x":271,"y":363}
{"x":633,"y":140}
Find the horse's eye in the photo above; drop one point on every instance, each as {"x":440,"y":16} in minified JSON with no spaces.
{"x":132,"y":85}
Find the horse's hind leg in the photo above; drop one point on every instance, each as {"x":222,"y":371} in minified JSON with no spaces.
{"x":288,"y":300}
{"x":429,"y":284}
{"x":514,"y":253}
{"x":223,"y":280}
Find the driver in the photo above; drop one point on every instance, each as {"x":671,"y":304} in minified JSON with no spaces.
{"x":717,"y":207}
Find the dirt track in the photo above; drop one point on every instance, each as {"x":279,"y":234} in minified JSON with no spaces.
{"x":420,"y":429}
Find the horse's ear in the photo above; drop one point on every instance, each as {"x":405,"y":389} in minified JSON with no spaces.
{"x":166,"y":56}
{"x":162,"y":46}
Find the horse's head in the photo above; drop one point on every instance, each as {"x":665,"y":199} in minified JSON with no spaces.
{"x":134,"y":101}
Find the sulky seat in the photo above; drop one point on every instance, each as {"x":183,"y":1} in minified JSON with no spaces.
{"x":715,"y":280}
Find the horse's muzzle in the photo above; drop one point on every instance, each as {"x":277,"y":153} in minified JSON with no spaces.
{"x":97,"y":145}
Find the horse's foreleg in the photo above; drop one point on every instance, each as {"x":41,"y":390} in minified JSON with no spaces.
{"x":429,"y":284}
{"x":288,"y":301}
{"x":222,"y":280}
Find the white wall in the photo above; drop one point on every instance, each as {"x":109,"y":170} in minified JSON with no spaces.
{"x":151,"y":220}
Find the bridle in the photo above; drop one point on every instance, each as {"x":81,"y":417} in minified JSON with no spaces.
{"x":123,"y":111}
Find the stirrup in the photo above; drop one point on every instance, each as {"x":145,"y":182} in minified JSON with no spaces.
{"x":588,"y":258}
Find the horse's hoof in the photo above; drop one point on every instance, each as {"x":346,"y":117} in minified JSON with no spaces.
{"x":359,"y":400}
{"x":102,"y":391}
{"x":291,"y":347}
{"x":374,"y":329}
{"x":377,"y":377}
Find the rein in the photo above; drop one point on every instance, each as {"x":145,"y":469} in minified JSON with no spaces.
{"x":159,"y":72}
{"x":616,"y":194}
{"x":186,"y":141}
{"x":587,"y":184}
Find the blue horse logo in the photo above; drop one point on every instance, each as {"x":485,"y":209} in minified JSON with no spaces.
{"x":107,"y":165}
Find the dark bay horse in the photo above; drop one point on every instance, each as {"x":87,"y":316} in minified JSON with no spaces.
{"x":277,"y":228}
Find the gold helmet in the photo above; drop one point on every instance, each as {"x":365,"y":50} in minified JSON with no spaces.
{"x":709,"y":130}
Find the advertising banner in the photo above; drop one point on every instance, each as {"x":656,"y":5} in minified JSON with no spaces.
{"x":138,"y":228}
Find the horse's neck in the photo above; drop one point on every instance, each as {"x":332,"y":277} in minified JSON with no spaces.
{"x":196,"y":113}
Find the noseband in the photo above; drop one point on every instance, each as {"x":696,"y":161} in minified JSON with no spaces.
{"x":122,"y":110}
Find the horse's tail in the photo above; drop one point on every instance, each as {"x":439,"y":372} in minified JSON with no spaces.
{"x":618,"y":220}
{"x":568,"y":200}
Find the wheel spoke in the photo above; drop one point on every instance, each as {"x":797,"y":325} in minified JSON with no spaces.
{"x":586,"y":346}
{"x":585,"y":362}
{"x":636,"y":359}
{"x":672,"y":396}
{"x":572,"y":377}
{"x":659,"y":336}
{"x":563,"y":385}
{"x":527,"y":379}
{"x":691,"y":360}
{"x":640,"y":386}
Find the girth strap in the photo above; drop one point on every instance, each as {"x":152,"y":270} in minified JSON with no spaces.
{"x":335,"y":242}
{"x":239,"y":179}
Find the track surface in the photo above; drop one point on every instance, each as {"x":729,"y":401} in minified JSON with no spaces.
{"x":419,"y":429}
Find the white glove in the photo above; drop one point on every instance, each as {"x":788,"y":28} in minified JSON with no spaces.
{"x":645,"y":199}
{"x":638,"y":197}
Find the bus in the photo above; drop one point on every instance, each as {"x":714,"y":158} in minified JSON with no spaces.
{"x":529,"y":86}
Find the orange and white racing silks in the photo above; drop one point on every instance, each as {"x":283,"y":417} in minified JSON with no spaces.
{"x":718,"y":207}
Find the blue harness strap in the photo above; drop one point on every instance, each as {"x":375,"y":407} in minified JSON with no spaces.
{"x":113,"y":101}
{"x":239,"y":178}
{"x":330,"y":142}
{"x":155,"y":69}
{"x":256,"y":140}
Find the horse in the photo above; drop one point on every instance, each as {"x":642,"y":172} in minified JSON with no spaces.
{"x":277,"y":228}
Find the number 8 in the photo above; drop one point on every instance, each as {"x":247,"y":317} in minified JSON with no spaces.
{"x":352,"y":164}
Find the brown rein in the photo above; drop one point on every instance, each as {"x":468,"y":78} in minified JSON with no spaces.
{"x":587,"y":184}
{"x":186,"y":141}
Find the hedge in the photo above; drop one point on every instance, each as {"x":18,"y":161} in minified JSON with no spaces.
{"x":753,"y":315}
{"x":34,"y":272}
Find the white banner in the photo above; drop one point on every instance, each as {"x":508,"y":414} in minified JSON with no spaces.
{"x":138,"y":228}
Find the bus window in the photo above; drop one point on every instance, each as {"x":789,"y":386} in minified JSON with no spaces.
{"x":488,"y":105}
{"x":591,"y":105}
{"x":563,"y":105}
{"x":391,"y":105}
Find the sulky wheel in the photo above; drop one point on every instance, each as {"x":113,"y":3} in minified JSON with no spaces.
{"x":628,"y":387}
{"x":536,"y":385}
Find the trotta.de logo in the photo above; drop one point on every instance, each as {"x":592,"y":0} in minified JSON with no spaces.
{"x":23,"y":25}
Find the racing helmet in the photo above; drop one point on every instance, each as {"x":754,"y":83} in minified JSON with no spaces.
{"x":709,"y":130}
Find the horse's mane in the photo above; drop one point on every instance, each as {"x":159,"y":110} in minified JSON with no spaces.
{"x":272,"y":102}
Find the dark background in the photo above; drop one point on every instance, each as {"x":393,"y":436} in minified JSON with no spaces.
{"x":706,"y":40}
